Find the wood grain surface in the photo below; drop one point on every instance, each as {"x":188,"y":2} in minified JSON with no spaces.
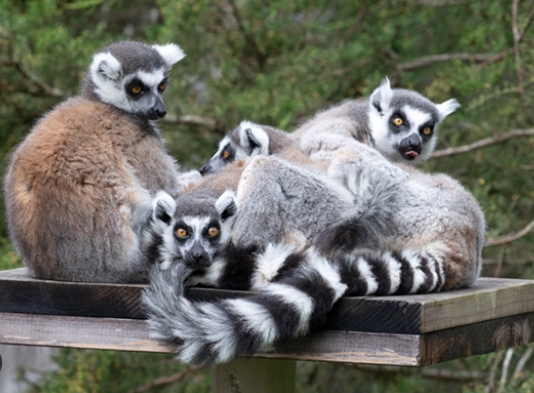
{"x":413,"y":314}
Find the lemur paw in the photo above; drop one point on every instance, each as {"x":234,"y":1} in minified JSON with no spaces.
{"x":163,"y":207}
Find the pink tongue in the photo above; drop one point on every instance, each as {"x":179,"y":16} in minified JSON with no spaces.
{"x":412,"y":153}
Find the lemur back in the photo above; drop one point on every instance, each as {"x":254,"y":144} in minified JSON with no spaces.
{"x":79,"y":188}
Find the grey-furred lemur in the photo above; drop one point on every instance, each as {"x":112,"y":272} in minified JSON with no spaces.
{"x":80,"y":188}
{"x":400,"y":124}
{"x":303,"y":242}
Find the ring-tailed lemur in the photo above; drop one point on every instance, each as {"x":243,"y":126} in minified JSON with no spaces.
{"x":401,"y":124}
{"x":249,"y":140}
{"x":427,"y":236}
{"x":79,"y":188}
{"x":192,"y":230}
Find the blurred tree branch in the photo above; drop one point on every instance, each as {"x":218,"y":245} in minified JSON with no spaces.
{"x":196,"y":120}
{"x":429,"y":60}
{"x":163,"y":381}
{"x":249,"y":38}
{"x":451,"y":151}
{"x":518,"y":371}
{"x":509,"y":238}
{"x":518,"y":35}
{"x":493,"y":372}
{"x":46,"y":88}
{"x":504,"y":371}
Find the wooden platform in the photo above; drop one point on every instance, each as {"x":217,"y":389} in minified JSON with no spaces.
{"x":401,"y":330}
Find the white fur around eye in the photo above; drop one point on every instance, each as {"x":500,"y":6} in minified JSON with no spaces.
{"x":415,"y":117}
{"x":151,"y":79}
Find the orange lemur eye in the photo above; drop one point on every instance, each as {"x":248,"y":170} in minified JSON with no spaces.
{"x":162,"y":86}
{"x":225,"y":154}
{"x":136,"y":89}
{"x":213,"y":232}
{"x":398,"y":121}
{"x":181,"y":232}
{"x":427,"y":130}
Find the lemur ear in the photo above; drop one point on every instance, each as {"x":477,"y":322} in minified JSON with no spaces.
{"x":106,"y":66}
{"x":164,"y":207}
{"x":447,"y":107}
{"x":171,"y":53}
{"x":226,"y":205}
{"x":253,"y":137}
{"x":381,"y":96}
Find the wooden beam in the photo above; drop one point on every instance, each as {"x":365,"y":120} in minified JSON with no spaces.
{"x":324,"y":345}
{"x":414,"y":314}
{"x":489,"y":298}
{"x":77,"y":332}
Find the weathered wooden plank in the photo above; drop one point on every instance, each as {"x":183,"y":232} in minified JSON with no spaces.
{"x":414,"y":314}
{"x":331,"y":346}
{"x":489,"y":298}
{"x":352,"y":347}
{"x":22,"y":294}
{"x":132,"y":335}
{"x":77,"y":332}
{"x":476,"y":339}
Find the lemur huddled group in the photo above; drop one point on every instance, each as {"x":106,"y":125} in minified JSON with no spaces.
{"x":301,"y":218}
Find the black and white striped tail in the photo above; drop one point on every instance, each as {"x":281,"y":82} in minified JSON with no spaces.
{"x":298,"y":301}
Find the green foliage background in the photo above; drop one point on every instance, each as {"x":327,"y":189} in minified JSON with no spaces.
{"x":277,"y":62}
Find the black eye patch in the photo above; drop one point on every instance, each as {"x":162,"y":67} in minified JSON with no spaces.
{"x":426,"y":131}
{"x":163,"y":85}
{"x":182,"y":232}
{"x":228,"y":153}
{"x":135,"y":88}
{"x":207,"y":232}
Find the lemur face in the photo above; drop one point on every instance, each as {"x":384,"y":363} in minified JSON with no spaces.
{"x":133,"y":76}
{"x":247,"y":140}
{"x":226,"y":154}
{"x":410,"y":130}
{"x":197,"y":239}
{"x":404,"y":123}
{"x":195,"y":229}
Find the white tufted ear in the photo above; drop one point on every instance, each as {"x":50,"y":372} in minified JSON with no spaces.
{"x":253,"y":139}
{"x":171,"y":53}
{"x":106,"y":66}
{"x":381,"y":97}
{"x":226,"y":205}
{"x":447,"y":107}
